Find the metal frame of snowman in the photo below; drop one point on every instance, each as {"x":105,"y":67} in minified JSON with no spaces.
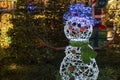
{"x":79,"y":62}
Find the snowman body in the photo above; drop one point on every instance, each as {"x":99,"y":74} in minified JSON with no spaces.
{"x":78,"y":29}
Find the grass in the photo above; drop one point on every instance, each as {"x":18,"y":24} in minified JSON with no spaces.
{"x":48,"y":72}
{"x":10,"y":69}
{"x":109,"y":73}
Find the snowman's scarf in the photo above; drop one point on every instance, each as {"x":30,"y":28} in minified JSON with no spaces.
{"x":86,"y":51}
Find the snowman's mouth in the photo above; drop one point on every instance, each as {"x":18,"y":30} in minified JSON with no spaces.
{"x":78,"y":31}
{"x":74,"y":32}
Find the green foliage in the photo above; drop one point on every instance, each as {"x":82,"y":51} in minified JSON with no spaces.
{"x":109,"y":73}
{"x":40,"y":72}
{"x":53,"y":23}
{"x":3,"y":54}
{"x":31,"y":62}
{"x":24,"y":50}
{"x":24,"y":33}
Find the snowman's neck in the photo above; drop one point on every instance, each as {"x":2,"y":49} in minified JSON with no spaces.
{"x":78,"y":43}
{"x":80,"y":40}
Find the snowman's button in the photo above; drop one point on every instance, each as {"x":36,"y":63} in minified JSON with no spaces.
{"x":72,"y":78}
{"x":73,"y":51}
{"x":71,"y":68}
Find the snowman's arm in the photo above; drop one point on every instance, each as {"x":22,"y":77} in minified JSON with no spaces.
{"x":56,"y":48}
{"x":40,"y":43}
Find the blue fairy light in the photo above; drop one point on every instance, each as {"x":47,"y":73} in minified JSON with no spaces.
{"x":66,"y":16}
{"x":80,"y":10}
{"x":88,"y":11}
{"x":31,"y":8}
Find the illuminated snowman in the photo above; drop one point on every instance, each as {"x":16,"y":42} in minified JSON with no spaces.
{"x":79,"y":62}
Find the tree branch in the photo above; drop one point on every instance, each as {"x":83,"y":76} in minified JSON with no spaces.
{"x":41,"y":44}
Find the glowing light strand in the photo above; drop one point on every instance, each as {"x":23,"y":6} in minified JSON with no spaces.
{"x":80,"y":10}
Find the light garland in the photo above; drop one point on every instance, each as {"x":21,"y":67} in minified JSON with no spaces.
{"x":5,"y":24}
{"x":78,"y":29}
{"x":80,"y":10}
{"x":79,"y":62}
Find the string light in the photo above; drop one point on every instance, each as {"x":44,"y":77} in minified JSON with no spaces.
{"x":80,"y":10}
{"x":31,"y":8}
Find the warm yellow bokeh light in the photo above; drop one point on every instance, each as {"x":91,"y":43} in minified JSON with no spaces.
{"x":5,"y":25}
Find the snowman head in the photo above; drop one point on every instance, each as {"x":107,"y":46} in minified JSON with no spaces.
{"x":78,"y":29}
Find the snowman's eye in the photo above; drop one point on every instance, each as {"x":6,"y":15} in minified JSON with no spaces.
{"x":74,"y":24}
{"x":69,"y":23}
{"x":86,"y":27}
{"x":79,"y":25}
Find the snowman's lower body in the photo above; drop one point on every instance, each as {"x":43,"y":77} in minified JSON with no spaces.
{"x":73,"y":68}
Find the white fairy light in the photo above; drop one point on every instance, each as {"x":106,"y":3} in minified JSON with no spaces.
{"x":72,"y":67}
